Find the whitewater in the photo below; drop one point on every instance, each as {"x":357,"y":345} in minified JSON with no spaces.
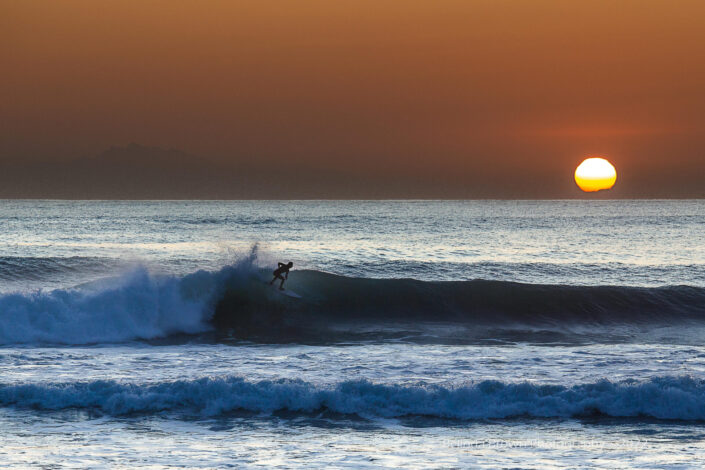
{"x":523,"y":334}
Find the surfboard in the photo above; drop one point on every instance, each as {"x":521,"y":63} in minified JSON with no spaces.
{"x":286,"y":292}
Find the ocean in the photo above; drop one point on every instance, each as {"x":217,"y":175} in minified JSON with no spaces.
{"x":429,"y":334}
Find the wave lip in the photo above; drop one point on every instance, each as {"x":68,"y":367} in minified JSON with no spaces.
{"x":668,"y":398}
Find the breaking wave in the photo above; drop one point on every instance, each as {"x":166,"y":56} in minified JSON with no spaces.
{"x":137,"y":305}
{"x":140,"y":305}
{"x":671,"y":398}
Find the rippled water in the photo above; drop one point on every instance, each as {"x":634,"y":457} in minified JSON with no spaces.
{"x":642,"y":243}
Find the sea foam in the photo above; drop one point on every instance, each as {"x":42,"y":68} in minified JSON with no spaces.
{"x":673,"y":398}
{"x":135,"y":305}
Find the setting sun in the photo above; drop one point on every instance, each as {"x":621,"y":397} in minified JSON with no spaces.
{"x":595,"y":174}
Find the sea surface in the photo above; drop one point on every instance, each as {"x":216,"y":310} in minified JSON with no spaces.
{"x":429,"y":334}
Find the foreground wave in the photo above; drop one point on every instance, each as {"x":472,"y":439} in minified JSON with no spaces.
{"x":237,"y":301}
{"x":673,"y":398}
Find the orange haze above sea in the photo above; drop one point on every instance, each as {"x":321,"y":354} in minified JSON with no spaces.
{"x":480,"y":98}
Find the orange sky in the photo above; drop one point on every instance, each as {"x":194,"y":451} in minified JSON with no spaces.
{"x":503,"y":95}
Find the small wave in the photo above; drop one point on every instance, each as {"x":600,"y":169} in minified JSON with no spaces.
{"x":574,"y":273}
{"x":670,"y":398}
{"x":15,"y":268}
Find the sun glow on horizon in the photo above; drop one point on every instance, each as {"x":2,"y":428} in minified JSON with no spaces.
{"x":595,"y":174}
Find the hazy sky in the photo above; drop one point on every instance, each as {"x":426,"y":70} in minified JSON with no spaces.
{"x":500,"y":94}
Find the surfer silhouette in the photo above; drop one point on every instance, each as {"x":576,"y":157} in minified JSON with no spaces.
{"x":282,"y":272}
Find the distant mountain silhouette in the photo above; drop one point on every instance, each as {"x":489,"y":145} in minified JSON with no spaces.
{"x":130,"y":172}
{"x":140,"y":172}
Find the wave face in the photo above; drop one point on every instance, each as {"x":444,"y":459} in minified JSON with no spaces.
{"x":328,"y":298}
{"x":672,"y":398}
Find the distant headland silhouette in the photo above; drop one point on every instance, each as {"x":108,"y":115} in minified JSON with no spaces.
{"x":137,"y":171}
